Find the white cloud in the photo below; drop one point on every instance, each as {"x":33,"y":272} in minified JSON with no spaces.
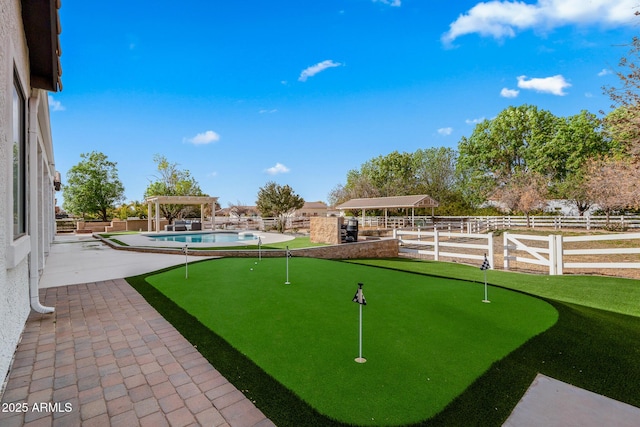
{"x":393,"y":3}
{"x":445,"y":131}
{"x":475,"y":121}
{"x":605,"y":72}
{"x":265,"y":111}
{"x":509,"y":93}
{"x":554,"y":85}
{"x":55,"y":105}
{"x":277,"y":169}
{"x":315,"y":69}
{"x":501,"y":18}
{"x":203,"y":138}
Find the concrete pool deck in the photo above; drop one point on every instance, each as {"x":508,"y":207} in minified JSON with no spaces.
{"x":75,"y":259}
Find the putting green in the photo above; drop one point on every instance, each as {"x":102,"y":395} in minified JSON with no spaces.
{"x":425,"y":339}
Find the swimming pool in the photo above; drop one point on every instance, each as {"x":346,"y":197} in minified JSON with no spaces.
{"x":211,"y":237}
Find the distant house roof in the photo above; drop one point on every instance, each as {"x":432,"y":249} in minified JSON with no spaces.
{"x":42,"y":31}
{"x":239,"y":210}
{"x":182,"y":200}
{"x":415,"y":201}
{"x":314,"y":205}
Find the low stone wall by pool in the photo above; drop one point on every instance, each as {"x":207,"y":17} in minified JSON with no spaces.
{"x":384,"y":248}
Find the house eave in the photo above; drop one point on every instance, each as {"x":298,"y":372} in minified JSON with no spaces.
{"x":42,"y":31}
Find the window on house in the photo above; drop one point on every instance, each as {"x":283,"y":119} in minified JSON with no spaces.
{"x":19,"y":162}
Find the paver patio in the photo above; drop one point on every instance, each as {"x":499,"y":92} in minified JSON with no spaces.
{"x":106,"y":357}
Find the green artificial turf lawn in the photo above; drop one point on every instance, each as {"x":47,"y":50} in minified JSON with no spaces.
{"x":426,"y":339}
{"x":606,"y":293}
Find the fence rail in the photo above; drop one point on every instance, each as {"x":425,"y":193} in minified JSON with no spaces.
{"x":482,"y":224}
{"x":431,"y":243}
{"x":553,"y":252}
{"x":598,"y":251}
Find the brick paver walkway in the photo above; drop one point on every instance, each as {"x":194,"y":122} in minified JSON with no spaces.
{"x":106,"y":357}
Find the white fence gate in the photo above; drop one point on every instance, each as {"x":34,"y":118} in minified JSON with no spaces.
{"x":543,"y":252}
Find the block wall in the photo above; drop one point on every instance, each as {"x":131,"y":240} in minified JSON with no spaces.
{"x":325,"y":230}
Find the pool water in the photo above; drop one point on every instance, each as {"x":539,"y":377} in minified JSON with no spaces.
{"x":205,"y":237}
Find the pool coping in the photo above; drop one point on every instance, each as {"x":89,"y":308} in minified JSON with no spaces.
{"x":141,"y":242}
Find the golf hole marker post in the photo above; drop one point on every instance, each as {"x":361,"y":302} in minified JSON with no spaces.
{"x":359,"y":298}
{"x":287,"y":256}
{"x":484,"y":267}
{"x":185,"y":250}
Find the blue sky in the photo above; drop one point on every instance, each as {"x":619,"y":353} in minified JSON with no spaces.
{"x":299,"y":92}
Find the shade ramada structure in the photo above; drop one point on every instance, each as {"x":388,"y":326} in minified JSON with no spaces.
{"x":179,"y":200}
{"x":393,"y":202}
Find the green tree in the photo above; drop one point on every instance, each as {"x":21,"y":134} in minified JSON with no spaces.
{"x":132,"y":209}
{"x":525,"y":140}
{"x":429,"y":171}
{"x":93,"y":186}
{"x":506,"y":145}
{"x":392,"y":175}
{"x":577,"y":138}
{"x":280,"y":201}
{"x":172,"y":181}
{"x":437,"y":174}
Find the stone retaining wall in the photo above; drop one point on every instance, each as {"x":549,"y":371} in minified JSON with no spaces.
{"x":140,"y":224}
{"x":96,"y":227}
{"x":116,"y":225}
{"x":386,"y":248}
{"x":143,"y":224}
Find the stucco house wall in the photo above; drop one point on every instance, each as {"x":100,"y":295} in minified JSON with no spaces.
{"x":21,"y":259}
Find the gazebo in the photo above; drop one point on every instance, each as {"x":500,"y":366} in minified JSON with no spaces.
{"x":180,"y":200}
{"x":393,"y":202}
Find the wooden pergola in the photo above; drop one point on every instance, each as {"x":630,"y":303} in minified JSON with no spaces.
{"x":393,"y":202}
{"x":180,"y":200}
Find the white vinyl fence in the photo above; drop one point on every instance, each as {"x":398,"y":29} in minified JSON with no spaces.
{"x":445,"y":244}
{"x":460,"y":224}
{"x":634,"y":239}
{"x":553,"y":252}
{"x":481,"y":224}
